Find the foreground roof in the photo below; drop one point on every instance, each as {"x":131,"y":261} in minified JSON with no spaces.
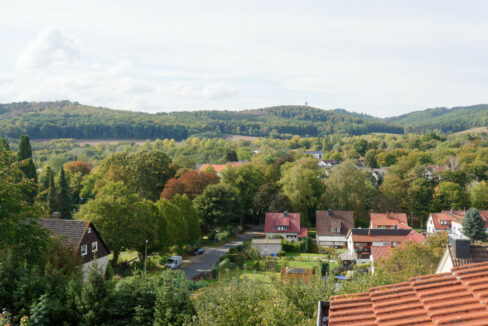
{"x":456,"y":298}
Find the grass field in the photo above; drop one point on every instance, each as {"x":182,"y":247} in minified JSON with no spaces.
{"x":265,"y":277}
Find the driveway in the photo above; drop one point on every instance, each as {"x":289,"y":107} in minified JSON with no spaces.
{"x":195,"y":265}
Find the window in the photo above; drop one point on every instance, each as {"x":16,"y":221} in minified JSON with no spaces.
{"x":386,"y":244}
{"x":282,"y":228}
{"x":89,"y":229}
{"x":94,"y":246}
{"x":84,"y":250}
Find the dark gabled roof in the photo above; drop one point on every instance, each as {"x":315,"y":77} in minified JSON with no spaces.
{"x":479,"y":254}
{"x":386,"y":232}
{"x":324,"y":221}
{"x":70,"y":231}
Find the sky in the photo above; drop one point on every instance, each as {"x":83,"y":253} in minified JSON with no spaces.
{"x":382,"y":58}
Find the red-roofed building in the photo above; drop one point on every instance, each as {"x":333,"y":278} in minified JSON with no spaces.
{"x":218,"y":168}
{"x":285,"y":224}
{"x":455,"y":298}
{"x":450,"y":221}
{"x":362,"y":242}
{"x":388,"y":221}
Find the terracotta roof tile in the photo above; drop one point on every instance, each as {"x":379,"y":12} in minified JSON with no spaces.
{"x":452,"y":215}
{"x":388,"y":219}
{"x":455,"y":298}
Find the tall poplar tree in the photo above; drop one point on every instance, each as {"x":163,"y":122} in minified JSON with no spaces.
{"x":24,"y":155}
{"x":51,"y":192}
{"x":64,"y":196}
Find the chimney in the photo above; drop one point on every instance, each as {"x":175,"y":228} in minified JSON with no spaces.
{"x":285,"y":214}
{"x":329,"y":212}
{"x":395,"y":226}
{"x":460,"y":245}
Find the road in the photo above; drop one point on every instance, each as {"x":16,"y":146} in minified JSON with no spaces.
{"x":195,"y":265}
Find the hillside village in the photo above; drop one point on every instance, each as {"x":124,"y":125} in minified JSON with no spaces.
{"x":367,"y":212}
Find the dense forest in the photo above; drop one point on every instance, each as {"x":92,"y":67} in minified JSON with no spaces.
{"x":66,"y":119}
{"x":444,"y":119}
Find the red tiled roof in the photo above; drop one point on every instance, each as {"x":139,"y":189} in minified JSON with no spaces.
{"x":389,"y":219}
{"x":380,"y":252}
{"x":455,"y":298}
{"x":377,"y":238}
{"x":413,"y":236}
{"x":274,"y":219}
{"x":218,"y":167}
{"x":453,"y":215}
{"x":303,"y":233}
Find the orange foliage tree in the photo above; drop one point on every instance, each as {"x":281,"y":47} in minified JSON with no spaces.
{"x":78,"y":166}
{"x":191,"y":183}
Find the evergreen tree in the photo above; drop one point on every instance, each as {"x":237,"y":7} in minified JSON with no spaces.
{"x":93,"y":303}
{"x":64,"y":196}
{"x":173,"y":304}
{"x":370,"y":159}
{"x":4,"y":145}
{"x":25,"y":150}
{"x":474,"y":227}
{"x":51,"y":192}
{"x":24,"y":155}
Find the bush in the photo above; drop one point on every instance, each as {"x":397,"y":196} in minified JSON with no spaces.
{"x":282,"y":253}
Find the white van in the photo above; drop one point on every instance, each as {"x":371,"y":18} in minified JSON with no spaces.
{"x":173,"y":262}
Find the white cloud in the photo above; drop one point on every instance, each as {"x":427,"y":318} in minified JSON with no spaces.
{"x":51,"y":46}
{"x":5,"y":80}
{"x":219,"y":91}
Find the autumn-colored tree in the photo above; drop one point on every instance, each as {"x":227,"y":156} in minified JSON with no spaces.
{"x":190,"y":183}
{"x":78,"y":166}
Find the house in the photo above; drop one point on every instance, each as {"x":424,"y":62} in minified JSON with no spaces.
{"x":317,"y":154}
{"x":332,"y":227}
{"x":328,"y":164}
{"x":388,"y":221}
{"x":450,"y":221}
{"x":461,"y":252}
{"x":83,"y":238}
{"x":382,"y":252}
{"x":361,"y":243}
{"x":284,"y":224}
{"x":218,"y":168}
{"x":454,"y":298}
{"x":267,"y":247}
{"x":432,"y":171}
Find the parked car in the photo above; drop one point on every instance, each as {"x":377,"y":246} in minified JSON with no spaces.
{"x":173,"y":262}
{"x":197,"y":252}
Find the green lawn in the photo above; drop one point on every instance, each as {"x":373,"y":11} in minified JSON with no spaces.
{"x":305,"y":255}
{"x":301,"y":264}
{"x":265,"y":277}
{"x":125,"y":256}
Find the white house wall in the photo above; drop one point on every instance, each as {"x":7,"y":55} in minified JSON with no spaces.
{"x":101,"y":263}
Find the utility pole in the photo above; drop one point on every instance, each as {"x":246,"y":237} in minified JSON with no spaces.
{"x":145,"y":258}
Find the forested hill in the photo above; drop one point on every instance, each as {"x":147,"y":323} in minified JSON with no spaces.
{"x":64,"y":119}
{"x":445,"y":119}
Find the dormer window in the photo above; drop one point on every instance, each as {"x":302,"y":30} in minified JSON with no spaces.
{"x":89,"y":229}
{"x":281,"y":228}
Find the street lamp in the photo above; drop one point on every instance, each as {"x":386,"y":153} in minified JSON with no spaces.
{"x":145,"y":258}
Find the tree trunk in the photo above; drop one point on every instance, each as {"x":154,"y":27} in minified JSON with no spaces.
{"x":115,"y":258}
